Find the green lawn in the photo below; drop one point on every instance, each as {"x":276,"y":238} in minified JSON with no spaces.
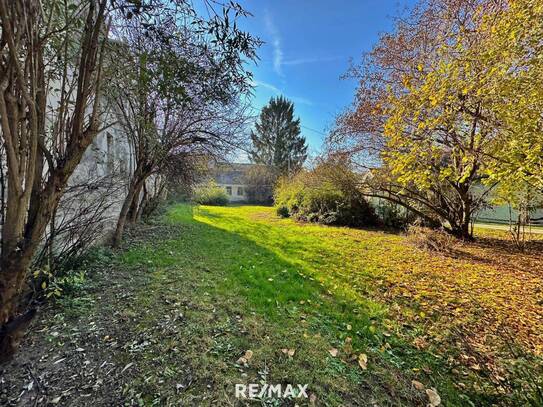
{"x":265,"y":301}
{"x":303,"y":287}
{"x":194,"y":291}
{"x":406,"y":309}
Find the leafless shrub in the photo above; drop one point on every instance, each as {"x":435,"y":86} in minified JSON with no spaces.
{"x":84,"y":214}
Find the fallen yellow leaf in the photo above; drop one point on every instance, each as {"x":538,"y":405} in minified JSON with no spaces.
{"x":245,"y":358}
{"x":433,"y":397}
{"x":363,"y":361}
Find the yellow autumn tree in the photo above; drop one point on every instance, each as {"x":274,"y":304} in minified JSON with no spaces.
{"x":418,"y":105}
{"x":451,"y":103}
{"x":513,"y":51}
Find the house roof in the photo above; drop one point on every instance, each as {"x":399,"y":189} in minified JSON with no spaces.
{"x":233,"y":173}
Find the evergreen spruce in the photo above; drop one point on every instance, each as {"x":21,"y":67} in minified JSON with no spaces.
{"x":276,"y":139}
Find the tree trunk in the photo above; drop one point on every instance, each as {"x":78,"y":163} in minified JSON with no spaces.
{"x":30,"y":204}
{"x":133,"y":188}
{"x":132,"y":215}
{"x":152,"y":202}
{"x":463,"y":227}
{"x":143,"y":204}
{"x":17,"y":255}
{"x":14,"y":268}
{"x":460,"y":228}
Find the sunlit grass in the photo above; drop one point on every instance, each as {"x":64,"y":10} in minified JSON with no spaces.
{"x":227,"y":277}
{"x":395,"y":296}
{"x":256,"y":281}
{"x":286,"y":271}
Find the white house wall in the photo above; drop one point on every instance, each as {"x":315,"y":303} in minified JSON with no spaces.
{"x":234,"y":197}
{"x":102,"y":175}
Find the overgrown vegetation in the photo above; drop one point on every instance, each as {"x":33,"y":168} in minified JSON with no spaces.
{"x":171,"y":78}
{"x":327,"y":194}
{"x":209,"y":194}
{"x":178,"y":91}
{"x":392,"y":215}
{"x":355,"y":314}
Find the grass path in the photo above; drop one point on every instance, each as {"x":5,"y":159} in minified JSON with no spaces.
{"x":165,"y":321}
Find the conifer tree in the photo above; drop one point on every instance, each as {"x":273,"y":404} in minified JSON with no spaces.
{"x":276,"y":139}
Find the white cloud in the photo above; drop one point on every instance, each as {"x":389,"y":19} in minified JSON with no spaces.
{"x":277,"y":91}
{"x":302,"y":61}
{"x":278,"y":55}
{"x":266,"y":85}
{"x":300,"y":100}
{"x":276,"y":43}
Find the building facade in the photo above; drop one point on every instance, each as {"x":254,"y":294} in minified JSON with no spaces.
{"x":244,"y":182}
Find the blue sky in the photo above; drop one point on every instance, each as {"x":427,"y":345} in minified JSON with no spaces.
{"x":308,"y":45}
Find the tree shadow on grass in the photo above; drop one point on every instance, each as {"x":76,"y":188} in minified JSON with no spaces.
{"x":280,"y":284}
{"x":126,"y":340}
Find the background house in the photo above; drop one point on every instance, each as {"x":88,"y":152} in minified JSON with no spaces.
{"x":245,"y":182}
{"x":504,"y":214}
{"x":231,"y":177}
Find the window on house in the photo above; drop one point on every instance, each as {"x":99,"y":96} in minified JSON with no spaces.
{"x":229,"y":190}
{"x":240,"y":191}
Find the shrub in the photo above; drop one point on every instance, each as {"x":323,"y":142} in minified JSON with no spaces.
{"x":391,"y":215}
{"x":435,"y":240}
{"x":326,"y":195}
{"x":210,"y":194}
{"x":282,"y":211}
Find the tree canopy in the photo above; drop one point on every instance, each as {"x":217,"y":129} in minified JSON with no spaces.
{"x":177,"y":89}
{"x":448,"y":107}
{"x":61,"y":67}
{"x":276,"y":139}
